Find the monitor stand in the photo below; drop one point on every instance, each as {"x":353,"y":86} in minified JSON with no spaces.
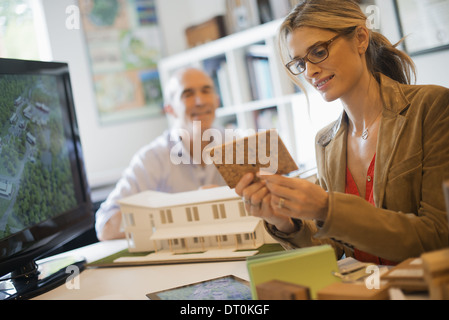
{"x":36,"y":278}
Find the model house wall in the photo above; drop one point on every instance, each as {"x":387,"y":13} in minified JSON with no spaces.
{"x":193,"y":221}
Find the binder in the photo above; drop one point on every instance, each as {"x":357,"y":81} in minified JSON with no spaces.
{"x":312,"y":267}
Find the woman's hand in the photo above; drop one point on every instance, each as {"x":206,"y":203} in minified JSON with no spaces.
{"x":258,"y":202}
{"x":296,"y":198}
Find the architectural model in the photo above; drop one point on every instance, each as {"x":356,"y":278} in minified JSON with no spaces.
{"x":191,"y":222}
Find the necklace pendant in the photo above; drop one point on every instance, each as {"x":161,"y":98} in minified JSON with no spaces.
{"x":365,"y":135}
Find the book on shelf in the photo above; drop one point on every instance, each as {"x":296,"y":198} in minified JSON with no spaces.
{"x":244,"y":14}
{"x":258,"y":62}
{"x":224,"y":85}
{"x":217,"y":68}
{"x":267,"y":118}
{"x":230,"y":124}
{"x":265,"y":9}
{"x":274,"y":9}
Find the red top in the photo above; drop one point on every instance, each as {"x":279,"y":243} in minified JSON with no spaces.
{"x":351,"y":188}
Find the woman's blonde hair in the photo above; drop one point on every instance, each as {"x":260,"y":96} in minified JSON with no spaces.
{"x":341,"y":16}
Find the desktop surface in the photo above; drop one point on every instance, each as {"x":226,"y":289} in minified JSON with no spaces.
{"x":134,"y":283}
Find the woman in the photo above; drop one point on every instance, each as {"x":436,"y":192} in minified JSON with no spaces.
{"x":381,"y":165}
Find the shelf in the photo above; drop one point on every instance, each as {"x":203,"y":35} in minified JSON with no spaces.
{"x":220,"y":46}
{"x":255,"y":105}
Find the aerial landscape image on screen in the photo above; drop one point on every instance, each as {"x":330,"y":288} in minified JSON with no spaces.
{"x":225,"y":288}
{"x":35,"y":174}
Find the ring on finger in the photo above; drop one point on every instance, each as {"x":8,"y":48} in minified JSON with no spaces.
{"x":258,"y":205}
{"x":281,"y":203}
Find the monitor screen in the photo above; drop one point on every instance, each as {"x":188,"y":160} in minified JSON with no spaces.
{"x":44,"y":194}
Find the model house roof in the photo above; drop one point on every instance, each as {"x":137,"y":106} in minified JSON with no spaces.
{"x":159,"y":200}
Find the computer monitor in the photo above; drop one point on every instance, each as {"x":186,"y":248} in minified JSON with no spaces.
{"x":44,"y":195}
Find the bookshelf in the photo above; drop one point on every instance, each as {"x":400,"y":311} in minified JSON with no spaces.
{"x":255,"y":91}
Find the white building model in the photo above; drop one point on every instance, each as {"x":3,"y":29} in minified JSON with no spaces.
{"x":190,"y":222}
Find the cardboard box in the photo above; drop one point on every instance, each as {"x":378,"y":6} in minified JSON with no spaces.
{"x":352,"y":291}
{"x":210,"y":30}
{"x":312,"y":267}
{"x":408,"y":276}
{"x":436,"y":273}
{"x":281,"y":290}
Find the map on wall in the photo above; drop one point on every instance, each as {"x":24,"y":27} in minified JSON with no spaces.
{"x":124,"y":47}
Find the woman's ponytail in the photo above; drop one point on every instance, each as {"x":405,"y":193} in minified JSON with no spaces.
{"x":384,"y":57}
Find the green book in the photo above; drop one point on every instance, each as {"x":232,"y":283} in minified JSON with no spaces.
{"x":313,"y":267}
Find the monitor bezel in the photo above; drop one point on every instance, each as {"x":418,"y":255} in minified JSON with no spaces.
{"x":41,"y":239}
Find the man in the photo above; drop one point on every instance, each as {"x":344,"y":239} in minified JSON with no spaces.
{"x":170,"y":163}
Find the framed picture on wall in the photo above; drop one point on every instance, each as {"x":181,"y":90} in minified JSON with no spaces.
{"x":424,"y":24}
{"x":124,"y":46}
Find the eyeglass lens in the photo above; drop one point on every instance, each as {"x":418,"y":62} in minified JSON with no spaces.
{"x":316,"y":55}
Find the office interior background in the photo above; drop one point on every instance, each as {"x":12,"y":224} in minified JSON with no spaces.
{"x":108,"y":148}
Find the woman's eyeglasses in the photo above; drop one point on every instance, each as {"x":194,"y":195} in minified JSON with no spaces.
{"x":316,"y":54}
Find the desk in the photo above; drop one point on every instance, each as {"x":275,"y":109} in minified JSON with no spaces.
{"x":133,"y":283}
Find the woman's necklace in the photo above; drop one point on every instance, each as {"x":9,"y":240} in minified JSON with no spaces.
{"x":365,"y":134}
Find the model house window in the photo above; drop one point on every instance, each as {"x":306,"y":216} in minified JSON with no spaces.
{"x":242,"y":210}
{"x":223,"y":238}
{"x":130,"y":238}
{"x":163,"y":218}
{"x":239,"y":238}
{"x":250,"y":236}
{"x":198,"y":240}
{"x":215,"y":211}
{"x":166,"y":216}
{"x":219,"y":214}
{"x":189,"y":214}
{"x":222,"y":211}
{"x":130,"y":219}
{"x":153,"y":227}
{"x":195,"y":216}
